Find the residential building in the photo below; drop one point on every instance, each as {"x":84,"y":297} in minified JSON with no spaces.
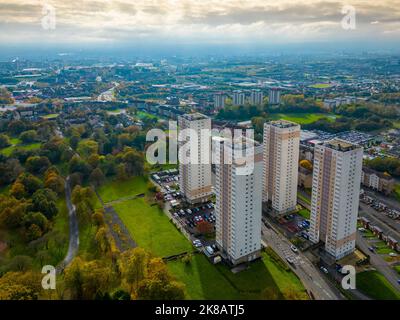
{"x":281,"y":158}
{"x":219,"y":100}
{"x":238,"y":190}
{"x":239,"y":98}
{"x":335,"y":196}
{"x":379,"y":181}
{"x":256,"y":97}
{"x":274,"y":96}
{"x":304,"y":178}
{"x":195,"y":178}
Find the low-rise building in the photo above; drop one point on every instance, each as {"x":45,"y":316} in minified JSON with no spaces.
{"x":382,"y":182}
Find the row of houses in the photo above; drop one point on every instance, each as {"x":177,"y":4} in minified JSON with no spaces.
{"x":378,"y":232}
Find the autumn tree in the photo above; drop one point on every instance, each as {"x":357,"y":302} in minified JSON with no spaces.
{"x":97,"y":177}
{"x":20,"y":286}
{"x":205,"y":227}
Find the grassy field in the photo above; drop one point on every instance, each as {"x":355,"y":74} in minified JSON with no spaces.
{"x":301,"y":118}
{"x":305,"y":199}
{"x":151,"y":229}
{"x":51,"y":116}
{"x":206,"y":281}
{"x":16,"y":143}
{"x":304,"y":213}
{"x":374,"y":284}
{"x":115,"y":189}
{"x":397,"y":268}
{"x":142,"y":115}
{"x":321,"y":85}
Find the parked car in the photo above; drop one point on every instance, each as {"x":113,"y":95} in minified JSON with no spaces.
{"x":294,"y":249}
{"x":290,"y":260}
{"x":324,"y":270}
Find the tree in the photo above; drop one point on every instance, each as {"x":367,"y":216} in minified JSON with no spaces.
{"x":85,"y":279}
{"x":97,"y":177}
{"x":77,"y":164}
{"x":20,"y":286}
{"x":9,"y":171}
{"x":4,"y":141}
{"x":102,"y":240}
{"x":54,"y":182}
{"x":12,"y":211}
{"x":121,"y":172}
{"x":37,"y":219}
{"x":29,"y":136}
{"x":30,"y":182}
{"x":44,"y":201}
{"x":134,"y":268}
{"x":20,"y":263}
{"x":204,"y":227}
{"x":18,"y":190}
{"x":87,"y":148}
{"x":37,"y":164}
{"x":16,"y":127}
{"x":5,"y":96}
{"x":306,"y":164}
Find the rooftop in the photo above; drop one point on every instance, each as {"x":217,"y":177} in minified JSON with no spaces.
{"x":194,"y":116}
{"x":341,"y":145}
{"x":283,"y":123}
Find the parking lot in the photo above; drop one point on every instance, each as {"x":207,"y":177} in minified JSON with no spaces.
{"x":191,"y":217}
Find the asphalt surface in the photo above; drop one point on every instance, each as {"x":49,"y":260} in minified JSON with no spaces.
{"x":73,"y":246}
{"x":378,"y":262}
{"x":309,"y":274}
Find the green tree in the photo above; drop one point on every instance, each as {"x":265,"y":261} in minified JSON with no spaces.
{"x":29,"y":136}
{"x":4,"y":141}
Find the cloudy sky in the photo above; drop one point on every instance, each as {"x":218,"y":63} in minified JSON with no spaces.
{"x":196,"y":21}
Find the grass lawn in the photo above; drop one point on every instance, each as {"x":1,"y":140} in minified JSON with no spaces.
{"x":374,"y":284}
{"x":206,"y":281}
{"x":51,"y":116}
{"x":142,"y":115}
{"x":397,"y":268}
{"x":151,"y":228}
{"x":304,"y":213}
{"x":305,"y":199}
{"x":301,"y":118}
{"x":115,"y":189}
{"x":321,"y":85}
{"x":31,"y":146}
{"x":382,"y":248}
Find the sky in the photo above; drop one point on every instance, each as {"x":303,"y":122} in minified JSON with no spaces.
{"x":193,"y":22}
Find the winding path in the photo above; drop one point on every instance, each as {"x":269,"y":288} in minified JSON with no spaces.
{"x":73,"y":246}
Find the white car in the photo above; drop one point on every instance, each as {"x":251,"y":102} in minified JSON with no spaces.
{"x":294,"y":249}
{"x":324,"y":270}
{"x":290,"y":260}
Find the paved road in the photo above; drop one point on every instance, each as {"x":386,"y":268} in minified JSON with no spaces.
{"x":73,"y":246}
{"x":309,"y":275}
{"x":379,"y":263}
